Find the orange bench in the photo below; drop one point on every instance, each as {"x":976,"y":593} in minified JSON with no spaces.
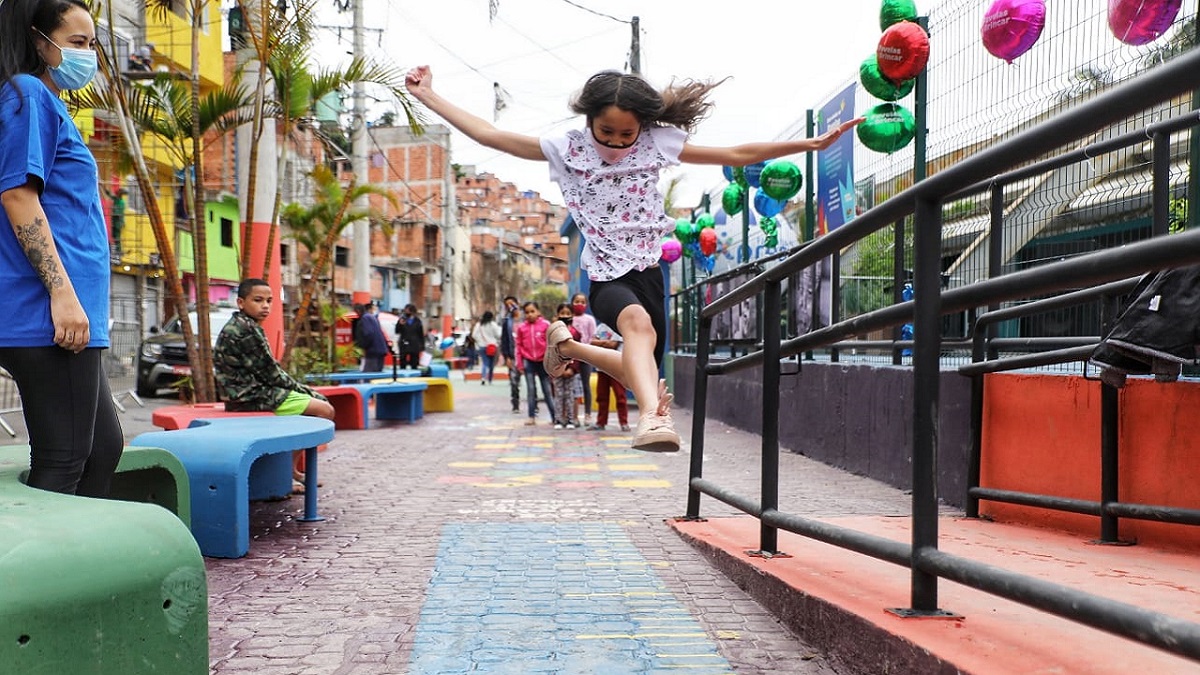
{"x":347,"y":405}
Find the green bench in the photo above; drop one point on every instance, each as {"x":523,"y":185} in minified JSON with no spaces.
{"x":101,"y":586}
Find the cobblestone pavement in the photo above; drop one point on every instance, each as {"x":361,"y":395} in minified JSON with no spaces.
{"x":411,"y":510}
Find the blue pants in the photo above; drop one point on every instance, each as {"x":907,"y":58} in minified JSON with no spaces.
{"x":535,"y":371}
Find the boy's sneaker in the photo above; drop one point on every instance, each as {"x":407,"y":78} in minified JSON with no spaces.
{"x":624,"y":427}
{"x":570,"y":426}
{"x":553,"y":360}
{"x":656,"y":433}
{"x":557,"y":425}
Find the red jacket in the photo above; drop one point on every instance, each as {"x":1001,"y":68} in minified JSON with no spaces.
{"x":531,"y":339}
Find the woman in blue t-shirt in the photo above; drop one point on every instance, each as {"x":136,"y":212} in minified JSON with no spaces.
{"x":54,"y":249}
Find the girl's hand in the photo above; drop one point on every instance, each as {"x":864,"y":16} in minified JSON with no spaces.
{"x":827,"y":139}
{"x":419,"y":81}
{"x":71,"y":328}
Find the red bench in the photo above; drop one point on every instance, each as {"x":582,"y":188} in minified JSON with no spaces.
{"x":347,"y":405}
{"x":174,"y":417}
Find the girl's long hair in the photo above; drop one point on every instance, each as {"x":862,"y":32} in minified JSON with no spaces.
{"x":18,"y":19}
{"x":682,"y":104}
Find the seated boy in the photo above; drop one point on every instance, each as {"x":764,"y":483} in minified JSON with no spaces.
{"x":246,"y":371}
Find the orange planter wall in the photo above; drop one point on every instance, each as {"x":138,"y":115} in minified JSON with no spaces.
{"x":1041,"y":434}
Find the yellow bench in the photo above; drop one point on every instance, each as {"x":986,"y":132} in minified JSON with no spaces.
{"x":439,"y":393}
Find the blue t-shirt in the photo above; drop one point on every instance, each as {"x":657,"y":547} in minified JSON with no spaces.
{"x":38,"y":140}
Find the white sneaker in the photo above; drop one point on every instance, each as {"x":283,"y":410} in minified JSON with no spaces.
{"x":553,"y":360}
{"x":570,"y":426}
{"x":656,"y":433}
{"x":557,"y":426}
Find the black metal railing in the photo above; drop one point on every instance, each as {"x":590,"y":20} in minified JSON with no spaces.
{"x":923,"y":203}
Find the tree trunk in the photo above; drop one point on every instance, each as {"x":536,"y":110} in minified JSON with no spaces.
{"x":202,"y":367}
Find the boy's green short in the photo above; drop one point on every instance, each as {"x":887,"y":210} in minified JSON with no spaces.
{"x":295,"y":404}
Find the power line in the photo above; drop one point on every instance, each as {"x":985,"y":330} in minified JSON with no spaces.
{"x":588,"y":9}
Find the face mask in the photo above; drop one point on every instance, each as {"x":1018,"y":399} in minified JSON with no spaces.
{"x":77,"y":69}
{"x":612,"y":154}
{"x":578,"y":309}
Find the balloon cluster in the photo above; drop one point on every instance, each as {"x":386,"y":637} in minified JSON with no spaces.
{"x":696,"y":240}
{"x":889,"y":74}
{"x":776,"y":182}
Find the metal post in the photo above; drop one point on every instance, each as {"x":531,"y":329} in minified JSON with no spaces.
{"x":361,"y":285}
{"x":744,"y":251}
{"x":1109,"y":441}
{"x":898,"y":280}
{"x":773,"y":300}
{"x":635,"y":47}
{"x":1161,"y":184}
{"x":699,"y":411}
{"x":835,"y":297}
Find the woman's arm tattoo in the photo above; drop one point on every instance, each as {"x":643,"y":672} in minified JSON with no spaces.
{"x":40,"y":252}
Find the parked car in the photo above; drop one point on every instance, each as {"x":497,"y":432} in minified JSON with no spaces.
{"x":162,"y":356}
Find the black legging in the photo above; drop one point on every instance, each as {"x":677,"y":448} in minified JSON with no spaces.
{"x":75,"y":438}
{"x":410,"y":359}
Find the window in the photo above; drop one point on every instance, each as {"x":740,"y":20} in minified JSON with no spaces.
{"x":285,"y":254}
{"x":227,"y":233}
{"x":431,"y":243}
{"x":341,"y":256}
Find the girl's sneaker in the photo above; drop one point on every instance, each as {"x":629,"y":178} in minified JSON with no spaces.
{"x":557,"y":426}
{"x":570,"y":426}
{"x":553,"y":361}
{"x":656,"y":433}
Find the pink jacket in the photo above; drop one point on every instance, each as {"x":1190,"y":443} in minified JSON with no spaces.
{"x":531,"y":339}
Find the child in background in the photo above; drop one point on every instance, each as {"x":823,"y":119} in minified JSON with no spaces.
{"x":563,"y":383}
{"x":606,"y":338}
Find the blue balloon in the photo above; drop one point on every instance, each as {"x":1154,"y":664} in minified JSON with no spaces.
{"x":727,"y":171}
{"x":766,"y":206}
{"x":752,"y":172}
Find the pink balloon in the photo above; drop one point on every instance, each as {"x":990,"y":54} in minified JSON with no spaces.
{"x":1010,"y":27}
{"x":672,"y":250}
{"x":1136,"y":22}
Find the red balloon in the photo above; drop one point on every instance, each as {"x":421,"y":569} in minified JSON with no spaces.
{"x":1010,"y":27}
{"x":1136,"y":22}
{"x":708,"y":241}
{"x":903,"y":51}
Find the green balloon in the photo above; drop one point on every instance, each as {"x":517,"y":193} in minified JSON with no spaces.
{"x":879,"y":86}
{"x":888,"y":128}
{"x":705,"y":221}
{"x":733,"y":199}
{"x":683,"y":230}
{"x":739,"y":176}
{"x":895,"y":11}
{"x":780,"y":180}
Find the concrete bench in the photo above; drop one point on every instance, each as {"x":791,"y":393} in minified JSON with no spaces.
{"x":232,"y":460}
{"x":348,"y":408}
{"x":100,"y":585}
{"x":403,"y":400}
{"x":173,"y":417}
{"x":357,"y":376}
{"x":439,"y":393}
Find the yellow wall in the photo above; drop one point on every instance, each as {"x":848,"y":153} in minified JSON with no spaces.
{"x":171,"y":37}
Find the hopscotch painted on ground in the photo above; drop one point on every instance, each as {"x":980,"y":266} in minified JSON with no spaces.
{"x":565,"y":598}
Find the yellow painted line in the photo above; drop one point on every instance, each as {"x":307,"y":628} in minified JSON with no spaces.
{"x":633,"y":467}
{"x":635,"y":636}
{"x":470,"y":465}
{"x":539,"y":438}
{"x":624,"y":455}
{"x":709,"y":655}
{"x":520,"y":460}
{"x":642,"y":483}
{"x":728,"y":635}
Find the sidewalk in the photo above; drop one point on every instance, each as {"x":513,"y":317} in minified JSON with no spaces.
{"x":469,"y":542}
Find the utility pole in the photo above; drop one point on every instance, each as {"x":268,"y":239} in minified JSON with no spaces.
{"x":635,"y":48}
{"x":358,"y":151}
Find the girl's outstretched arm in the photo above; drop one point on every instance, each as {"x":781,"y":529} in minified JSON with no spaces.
{"x":749,"y":153}
{"x":420,"y":84}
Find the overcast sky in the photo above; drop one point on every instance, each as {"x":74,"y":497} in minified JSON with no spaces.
{"x":784,"y":56}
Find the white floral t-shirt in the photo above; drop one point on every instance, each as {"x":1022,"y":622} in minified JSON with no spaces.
{"x":617,"y":207}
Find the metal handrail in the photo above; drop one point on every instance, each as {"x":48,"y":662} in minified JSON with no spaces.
{"x":922,"y":201}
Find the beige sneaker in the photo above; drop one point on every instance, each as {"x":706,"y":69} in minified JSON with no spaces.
{"x":553,"y":360}
{"x":656,"y":433}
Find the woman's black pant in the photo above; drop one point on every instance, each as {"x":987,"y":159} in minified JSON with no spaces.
{"x":75,"y":438}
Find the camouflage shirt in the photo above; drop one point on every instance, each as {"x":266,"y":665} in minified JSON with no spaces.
{"x":247,"y":374}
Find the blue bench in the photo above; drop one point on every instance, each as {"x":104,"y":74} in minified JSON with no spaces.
{"x":100,"y":585}
{"x":400,"y":400}
{"x":233,"y":460}
{"x":358,"y":376}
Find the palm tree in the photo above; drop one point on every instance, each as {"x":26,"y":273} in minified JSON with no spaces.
{"x":178,"y":117}
{"x":318,"y":227}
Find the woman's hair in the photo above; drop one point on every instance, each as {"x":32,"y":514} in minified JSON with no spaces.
{"x":488,"y":317}
{"x":681,"y":104}
{"x":18,"y":19}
